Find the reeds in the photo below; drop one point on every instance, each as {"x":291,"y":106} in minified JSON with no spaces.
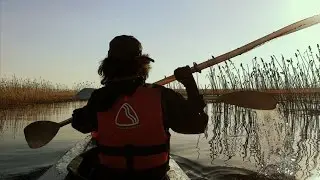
{"x":18,"y":91}
{"x":303,"y":72}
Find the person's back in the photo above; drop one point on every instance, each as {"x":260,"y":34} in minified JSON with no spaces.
{"x":132,"y":118}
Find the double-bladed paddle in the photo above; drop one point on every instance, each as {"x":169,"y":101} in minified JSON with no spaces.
{"x":40,"y":133}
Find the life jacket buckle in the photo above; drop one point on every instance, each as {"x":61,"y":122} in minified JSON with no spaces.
{"x":128,"y":150}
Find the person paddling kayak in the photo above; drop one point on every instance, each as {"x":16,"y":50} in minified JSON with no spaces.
{"x":132,"y":118}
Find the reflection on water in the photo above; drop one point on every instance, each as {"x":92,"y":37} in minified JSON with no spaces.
{"x":15,"y":155}
{"x":12,"y":121}
{"x":237,"y":142}
{"x":274,"y":143}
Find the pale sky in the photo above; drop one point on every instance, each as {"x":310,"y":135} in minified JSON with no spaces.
{"x":63,"y":41}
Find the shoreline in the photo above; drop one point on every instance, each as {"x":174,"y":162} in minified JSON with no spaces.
{"x":28,"y":104}
{"x":12,"y":97}
{"x":22,"y":92}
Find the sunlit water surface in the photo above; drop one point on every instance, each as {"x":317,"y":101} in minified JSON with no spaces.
{"x":238,"y":144}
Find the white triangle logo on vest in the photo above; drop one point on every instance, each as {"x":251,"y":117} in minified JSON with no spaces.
{"x":126,"y":116}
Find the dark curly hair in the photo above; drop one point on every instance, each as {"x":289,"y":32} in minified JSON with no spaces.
{"x":111,"y":68}
{"x":124,"y":60}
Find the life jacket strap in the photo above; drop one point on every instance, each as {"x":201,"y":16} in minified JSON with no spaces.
{"x":133,"y":150}
{"x":130,"y":151}
{"x":154,"y":173}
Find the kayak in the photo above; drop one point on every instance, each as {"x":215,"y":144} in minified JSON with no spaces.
{"x":59,"y":170}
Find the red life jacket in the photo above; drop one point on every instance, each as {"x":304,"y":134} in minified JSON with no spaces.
{"x":94,"y":134}
{"x":132,"y":134}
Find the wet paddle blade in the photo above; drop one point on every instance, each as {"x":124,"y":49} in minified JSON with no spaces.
{"x":40,"y":133}
{"x":249,"y":99}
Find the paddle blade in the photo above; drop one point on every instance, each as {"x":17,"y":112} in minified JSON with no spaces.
{"x":40,"y":133}
{"x":250,"y":99}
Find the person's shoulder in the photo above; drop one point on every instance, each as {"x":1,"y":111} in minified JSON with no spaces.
{"x":98,"y":96}
{"x":165,"y":91}
{"x":96,"y":91}
{"x":99,"y":92}
{"x":157,"y":86}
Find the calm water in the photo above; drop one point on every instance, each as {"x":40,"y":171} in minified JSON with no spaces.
{"x":238,"y":142}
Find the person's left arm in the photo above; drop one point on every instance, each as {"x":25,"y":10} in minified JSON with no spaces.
{"x":85,"y":119}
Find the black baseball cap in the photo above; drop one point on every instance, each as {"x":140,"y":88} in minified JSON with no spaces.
{"x":126,"y":47}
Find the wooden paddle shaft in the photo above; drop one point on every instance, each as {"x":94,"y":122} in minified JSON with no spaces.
{"x":289,"y":91}
{"x":281,"y":32}
{"x":65,"y":122}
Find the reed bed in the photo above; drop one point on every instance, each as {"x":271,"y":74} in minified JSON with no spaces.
{"x":284,"y":73}
{"x":18,"y":92}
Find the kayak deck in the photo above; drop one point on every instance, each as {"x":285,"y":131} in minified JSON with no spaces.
{"x":59,"y":170}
